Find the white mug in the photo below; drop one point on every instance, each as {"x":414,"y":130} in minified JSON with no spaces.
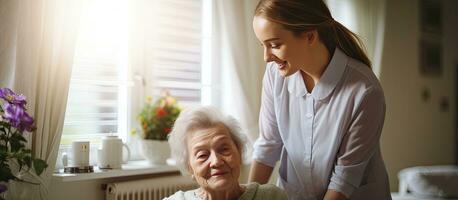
{"x":110,"y":155}
{"x":80,"y":153}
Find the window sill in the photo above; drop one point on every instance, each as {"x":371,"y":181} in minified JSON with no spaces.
{"x":132,"y":168}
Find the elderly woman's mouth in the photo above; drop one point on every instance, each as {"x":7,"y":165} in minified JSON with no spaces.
{"x":217,"y":174}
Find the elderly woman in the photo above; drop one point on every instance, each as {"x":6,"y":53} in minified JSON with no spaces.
{"x":209,"y":146}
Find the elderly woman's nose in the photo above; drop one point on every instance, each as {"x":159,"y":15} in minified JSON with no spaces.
{"x":215,"y":160}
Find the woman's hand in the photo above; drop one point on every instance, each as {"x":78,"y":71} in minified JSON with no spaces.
{"x":334,"y":195}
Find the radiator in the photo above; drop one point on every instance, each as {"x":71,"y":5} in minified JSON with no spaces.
{"x":148,"y":189}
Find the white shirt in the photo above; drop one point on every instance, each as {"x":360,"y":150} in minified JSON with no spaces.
{"x":327,"y":139}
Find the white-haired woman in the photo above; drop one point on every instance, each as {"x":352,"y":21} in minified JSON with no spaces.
{"x":209,"y":145}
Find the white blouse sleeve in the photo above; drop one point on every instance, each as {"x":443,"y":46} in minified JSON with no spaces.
{"x":268,"y":146}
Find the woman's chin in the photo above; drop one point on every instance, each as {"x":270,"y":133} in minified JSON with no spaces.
{"x":221,"y":184}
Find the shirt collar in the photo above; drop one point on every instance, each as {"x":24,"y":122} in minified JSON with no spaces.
{"x":327,"y":82}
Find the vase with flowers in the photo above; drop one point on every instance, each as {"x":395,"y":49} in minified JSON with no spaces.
{"x":15,"y":159}
{"x":156,"y":121}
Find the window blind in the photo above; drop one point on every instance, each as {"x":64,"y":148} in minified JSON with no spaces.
{"x":175,"y":42}
{"x":97,"y":80}
{"x":173,"y":52}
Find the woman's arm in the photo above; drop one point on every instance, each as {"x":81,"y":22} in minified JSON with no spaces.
{"x":334,"y":195}
{"x":268,"y":146}
{"x":259,"y":172}
{"x":359,"y":143}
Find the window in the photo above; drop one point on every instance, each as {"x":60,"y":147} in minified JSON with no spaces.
{"x":344,"y":12}
{"x":98,"y":82}
{"x":175,"y":47}
{"x":176,"y":53}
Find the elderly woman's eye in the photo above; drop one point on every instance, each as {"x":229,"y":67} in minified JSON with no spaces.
{"x":202,"y":156}
{"x":226,"y":150}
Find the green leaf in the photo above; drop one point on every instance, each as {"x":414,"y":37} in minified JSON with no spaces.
{"x":19,"y":137}
{"x":21,"y":163}
{"x":16,"y":145}
{"x":3,"y":155}
{"x":28,"y":161}
{"x":39,"y":166}
{"x":3,"y":137}
{"x":16,"y":142}
{"x":5,"y":124}
{"x":5,"y":174}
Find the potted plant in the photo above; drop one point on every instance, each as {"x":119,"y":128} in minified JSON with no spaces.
{"x":156,"y":121}
{"x":15,"y":159}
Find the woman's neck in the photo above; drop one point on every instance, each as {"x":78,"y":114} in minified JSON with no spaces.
{"x":312,"y":74}
{"x":232,"y":193}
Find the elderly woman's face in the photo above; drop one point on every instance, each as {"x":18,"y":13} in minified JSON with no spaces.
{"x":214,"y":158}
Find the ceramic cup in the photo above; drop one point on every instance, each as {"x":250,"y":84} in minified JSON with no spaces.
{"x":109,"y":156}
{"x":80,"y":153}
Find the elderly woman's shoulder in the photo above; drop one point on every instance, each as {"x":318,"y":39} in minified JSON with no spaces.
{"x":272,"y":190}
{"x":266,"y":191}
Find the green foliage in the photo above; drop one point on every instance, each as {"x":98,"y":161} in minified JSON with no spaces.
{"x":14,"y":121}
{"x":12,"y":148}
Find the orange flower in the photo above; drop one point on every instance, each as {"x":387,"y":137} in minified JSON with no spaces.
{"x":169,"y":101}
{"x":145,"y":126}
{"x":161,"y":112}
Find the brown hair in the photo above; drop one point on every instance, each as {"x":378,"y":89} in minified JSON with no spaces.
{"x":300,"y":16}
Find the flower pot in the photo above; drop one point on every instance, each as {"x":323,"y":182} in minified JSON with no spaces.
{"x":155,"y":151}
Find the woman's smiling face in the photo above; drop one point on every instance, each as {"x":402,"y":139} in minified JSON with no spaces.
{"x":289,"y":51}
{"x":214,"y":159}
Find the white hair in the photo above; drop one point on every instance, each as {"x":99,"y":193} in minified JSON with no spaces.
{"x":201,"y":118}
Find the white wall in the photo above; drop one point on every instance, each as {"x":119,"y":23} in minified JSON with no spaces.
{"x":416,"y":132}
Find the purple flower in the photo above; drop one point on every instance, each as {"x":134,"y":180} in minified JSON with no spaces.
{"x":11,"y":97}
{"x":13,"y":113}
{"x":18,"y":118}
{"x":27,"y":123}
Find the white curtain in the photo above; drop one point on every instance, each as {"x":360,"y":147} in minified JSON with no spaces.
{"x":40,"y":47}
{"x":367,"y":19}
{"x":8,"y":24}
{"x":239,"y":57}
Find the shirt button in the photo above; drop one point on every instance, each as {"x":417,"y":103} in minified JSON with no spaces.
{"x":309,"y":115}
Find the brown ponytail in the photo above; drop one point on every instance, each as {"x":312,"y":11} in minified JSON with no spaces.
{"x":300,"y":16}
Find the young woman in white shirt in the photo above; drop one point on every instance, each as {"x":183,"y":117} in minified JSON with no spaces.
{"x":322,"y":109}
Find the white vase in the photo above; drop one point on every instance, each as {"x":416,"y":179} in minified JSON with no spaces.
{"x":155,"y":151}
